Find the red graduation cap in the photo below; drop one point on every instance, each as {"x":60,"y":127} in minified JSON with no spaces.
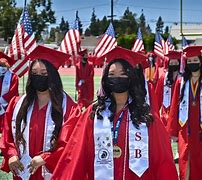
{"x":121,"y":53}
{"x":192,"y":51}
{"x":83,"y":51}
{"x":7,"y":59}
{"x":55,"y":57}
{"x":174,"y":54}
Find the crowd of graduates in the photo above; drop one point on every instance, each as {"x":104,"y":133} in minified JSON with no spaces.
{"x":143,"y":104}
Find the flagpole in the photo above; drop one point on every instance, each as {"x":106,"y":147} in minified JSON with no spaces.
{"x":23,"y":78}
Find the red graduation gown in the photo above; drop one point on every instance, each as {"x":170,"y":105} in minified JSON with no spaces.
{"x":86,"y":90}
{"x":189,"y":145}
{"x":13,"y":91}
{"x":164,"y":114}
{"x":77,"y":160}
{"x":152,"y":74}
{"x":36,"y":136}
{"x":153,"y":99}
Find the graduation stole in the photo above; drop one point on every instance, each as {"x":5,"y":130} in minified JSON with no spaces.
{"x":184,"y":104}
{"x":147,"y":99}
{"x":149,"y":73}
{"x":166,"y":93}
{"x":4,"y":89}
{"x":49,"y":127}
{"x":104,"y":152}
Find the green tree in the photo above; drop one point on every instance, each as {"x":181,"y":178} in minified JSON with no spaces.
{"x":148,"y":29}
{"x":128,"y":22}
{"x":94,"y":28}
{"x":142,"y":23}
{"x":87,"y":32}
{"x":166,"y":30}
{"x":64,"y":26}
{"x":159,"y":25}
{"x":103,"y":24}
{"x":41,"y":15}
{"x":9,"y":17}
{"x":79,"y":23}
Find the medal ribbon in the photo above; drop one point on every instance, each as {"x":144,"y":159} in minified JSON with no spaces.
{"x":194,"y":90}
{"x":115,"y":133}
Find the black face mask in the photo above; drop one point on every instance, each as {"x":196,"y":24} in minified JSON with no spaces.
{"x":173,"y":68}
{"x":193,"y":67}
{"x":39,"y":82}
{"x":118,"y":84}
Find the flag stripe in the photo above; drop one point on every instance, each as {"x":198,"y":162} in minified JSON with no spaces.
{"x":22,"y":44}
{"x":106,"y":43}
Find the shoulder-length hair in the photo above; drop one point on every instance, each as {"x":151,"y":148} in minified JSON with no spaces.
{"x":56,"y":96}
{"x":187,"y":75}
{"x":139,"y":109}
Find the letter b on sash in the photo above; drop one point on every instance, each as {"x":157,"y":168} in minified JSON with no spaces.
{"x":138,"y":153}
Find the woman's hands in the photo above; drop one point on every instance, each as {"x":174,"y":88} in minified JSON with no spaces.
{"x":15,"y":165}
{"x":35,"y":163}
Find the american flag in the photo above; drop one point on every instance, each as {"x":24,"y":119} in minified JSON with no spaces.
{"x":72,"y":40}
{"x":184,"y":43}
{"x":22,"y":44}
{"x":159,"y":45}
{"x":182,"y":60}
{"x":106,"y":43}
{"x":169,"y":45}
{"x":138,"y":45}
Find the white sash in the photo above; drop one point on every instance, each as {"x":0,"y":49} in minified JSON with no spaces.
{"x":166,"y":93}
{"x":184,"y":104}
{"x":138,"y":148}
{"x":49,"y":127}
{"x":147,"y":99}
{"x":4,"y":89}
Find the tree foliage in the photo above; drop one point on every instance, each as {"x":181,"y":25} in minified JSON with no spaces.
{"x":41,"y":14}
{"x":159,"y":25}
{"x":9,"y":16}
{"x":64,"y":26}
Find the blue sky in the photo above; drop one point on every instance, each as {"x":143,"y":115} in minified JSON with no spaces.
{"x":169,"y":10}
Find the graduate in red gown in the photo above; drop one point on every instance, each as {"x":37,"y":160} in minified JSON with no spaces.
{"x":8,"y":85}
{"x":152,"y":72}
{"x":117,"y":137}
{"x":151,"y":98}
{"x":166,"y":84}
{"x":85,"y":81}
{"x":31,"y":136}
{"x":185,"y":120}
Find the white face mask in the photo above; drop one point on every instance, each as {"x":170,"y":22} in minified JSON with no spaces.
{"x":150,"y":58}
{"x":3,"y":70}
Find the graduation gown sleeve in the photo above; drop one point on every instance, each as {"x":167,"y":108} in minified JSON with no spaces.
{"x":70,"y":120}
{"x":173,"y":125}
{"x":7,"y":144}
{"x":13,"y":91}
{"x":76,"y":159}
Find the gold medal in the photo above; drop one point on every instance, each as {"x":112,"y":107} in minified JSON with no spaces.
{"x":117,"y":151}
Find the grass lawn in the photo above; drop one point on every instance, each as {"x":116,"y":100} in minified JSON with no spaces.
{"x":69,"y":87}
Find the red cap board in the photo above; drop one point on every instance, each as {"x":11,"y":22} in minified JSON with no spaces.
{"x":10,"y":61}
{"x":55,"y":57}
{"x":121,"y":53}
{"x":174,"y":54}
{"x":192,"y":51}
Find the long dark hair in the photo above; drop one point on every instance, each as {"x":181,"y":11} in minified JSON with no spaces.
{"x":169,"y":78}
{"x":140,"y":111}
{"x":56,"y":95}
{"x":186,"y":76}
